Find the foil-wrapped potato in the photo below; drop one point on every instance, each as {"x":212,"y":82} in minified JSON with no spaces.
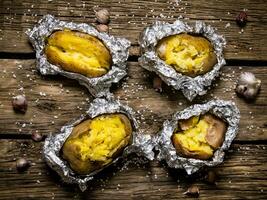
{"x":190,"y":55}
{"x":78,"y":52}
{"x":199,"y":136}
{"x":96,"y":142}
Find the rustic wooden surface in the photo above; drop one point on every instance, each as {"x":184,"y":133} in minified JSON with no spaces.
{"x":129,"y":17}
{"x":240,"y":176}
{"x":55,"y":100}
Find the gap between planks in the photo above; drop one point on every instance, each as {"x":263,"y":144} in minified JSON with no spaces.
{"x":247,"y":45}
{"x":242,"y":175}
{"x":22,"y":137}
{"x":133,"y":57}
{"x":64,"y":95}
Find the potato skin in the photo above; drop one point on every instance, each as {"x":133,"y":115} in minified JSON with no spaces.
{"x":190,"y":55}
{"x":216,"y":131}
{"x":188,"y":123}
{"x":78,"y":52}
{"x":77,"y":150}
{"x":204,"y":143}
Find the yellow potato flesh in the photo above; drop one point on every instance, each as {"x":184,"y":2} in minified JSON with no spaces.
{"x":189,"y":123}
{"x":187,"y":54}
{"x":193,"y":140}
{"x":95,"y":143}
{"x":78,"y":52}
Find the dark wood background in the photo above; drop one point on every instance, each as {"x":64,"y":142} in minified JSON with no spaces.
{"x":243,"y":175}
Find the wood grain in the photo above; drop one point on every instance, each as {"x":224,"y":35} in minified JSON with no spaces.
{"x":129,"y":17}
{"x":55,"y":100}
{"x":242,"y":176}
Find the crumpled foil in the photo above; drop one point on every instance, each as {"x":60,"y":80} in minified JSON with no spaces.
{"x":99,"y":106}
{"x":223,"y":109}
{"x":98,"y":86}
{"x":191,"y":87}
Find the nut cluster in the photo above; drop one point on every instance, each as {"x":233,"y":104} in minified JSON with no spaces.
{"x":103,"y":18}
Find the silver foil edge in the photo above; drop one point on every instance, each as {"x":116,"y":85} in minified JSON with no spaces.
{"x":191,"y":87}
{"x":99,"y":86}
{"x":225,"y":110}
{"x":99,"y":106}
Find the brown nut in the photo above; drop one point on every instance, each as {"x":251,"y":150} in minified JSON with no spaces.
{"x":102,"y":16}
{"x":198,"y":137}
{"x":242,"y":18}
{"x":22,"y":164}
{"x":211,"y":177}
{"x":78,"y":52}
{"x":102,"y":28}
{"x":37,"y":137}
{"x":20,"y":103}
{"x":190,"y":55}
{"x":96,"y":142}
{"x":157,"y":84}
{"x":192,"y":191}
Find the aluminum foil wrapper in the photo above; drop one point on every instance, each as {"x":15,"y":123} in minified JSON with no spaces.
{"x":98,"y":86}
{"x":140,"y":143}
{"x":191,"y":87}
{"x":223,"y":109}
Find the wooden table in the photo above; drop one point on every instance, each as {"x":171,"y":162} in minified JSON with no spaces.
{"x":55,"y":100}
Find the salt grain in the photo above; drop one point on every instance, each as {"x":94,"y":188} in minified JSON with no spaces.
{"x":227,"y":25}
{"x":42,"y":94}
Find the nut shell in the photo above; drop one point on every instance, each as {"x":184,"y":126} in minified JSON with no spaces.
{"x":102,"y":16}
{"x":22,"y":164}
{"x":102,"y":28}
{"x":20,"y":104}
{"x":242,"y":18}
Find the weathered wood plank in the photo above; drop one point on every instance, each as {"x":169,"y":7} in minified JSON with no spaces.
{"x":242,"y":176}
{"x":65,"y":99}
{"x":128,"y":18}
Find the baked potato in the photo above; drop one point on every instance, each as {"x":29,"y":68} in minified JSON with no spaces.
{"x":94,"y":143}
{"x":78,"y":52}
{"x":199,"y":136}
{"x":190,"y":55}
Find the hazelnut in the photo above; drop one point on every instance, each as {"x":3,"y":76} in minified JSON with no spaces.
{"x":20,"y":103}
{"x":22,"y":164}
{"x":211,"y":177}
{"x":102,"y":28}
{"x":242,"y":18}
{"x":192,"y":191}
{"x":102,"y":16}
{"x":157,"y":84}
{"x":37,"y":137}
